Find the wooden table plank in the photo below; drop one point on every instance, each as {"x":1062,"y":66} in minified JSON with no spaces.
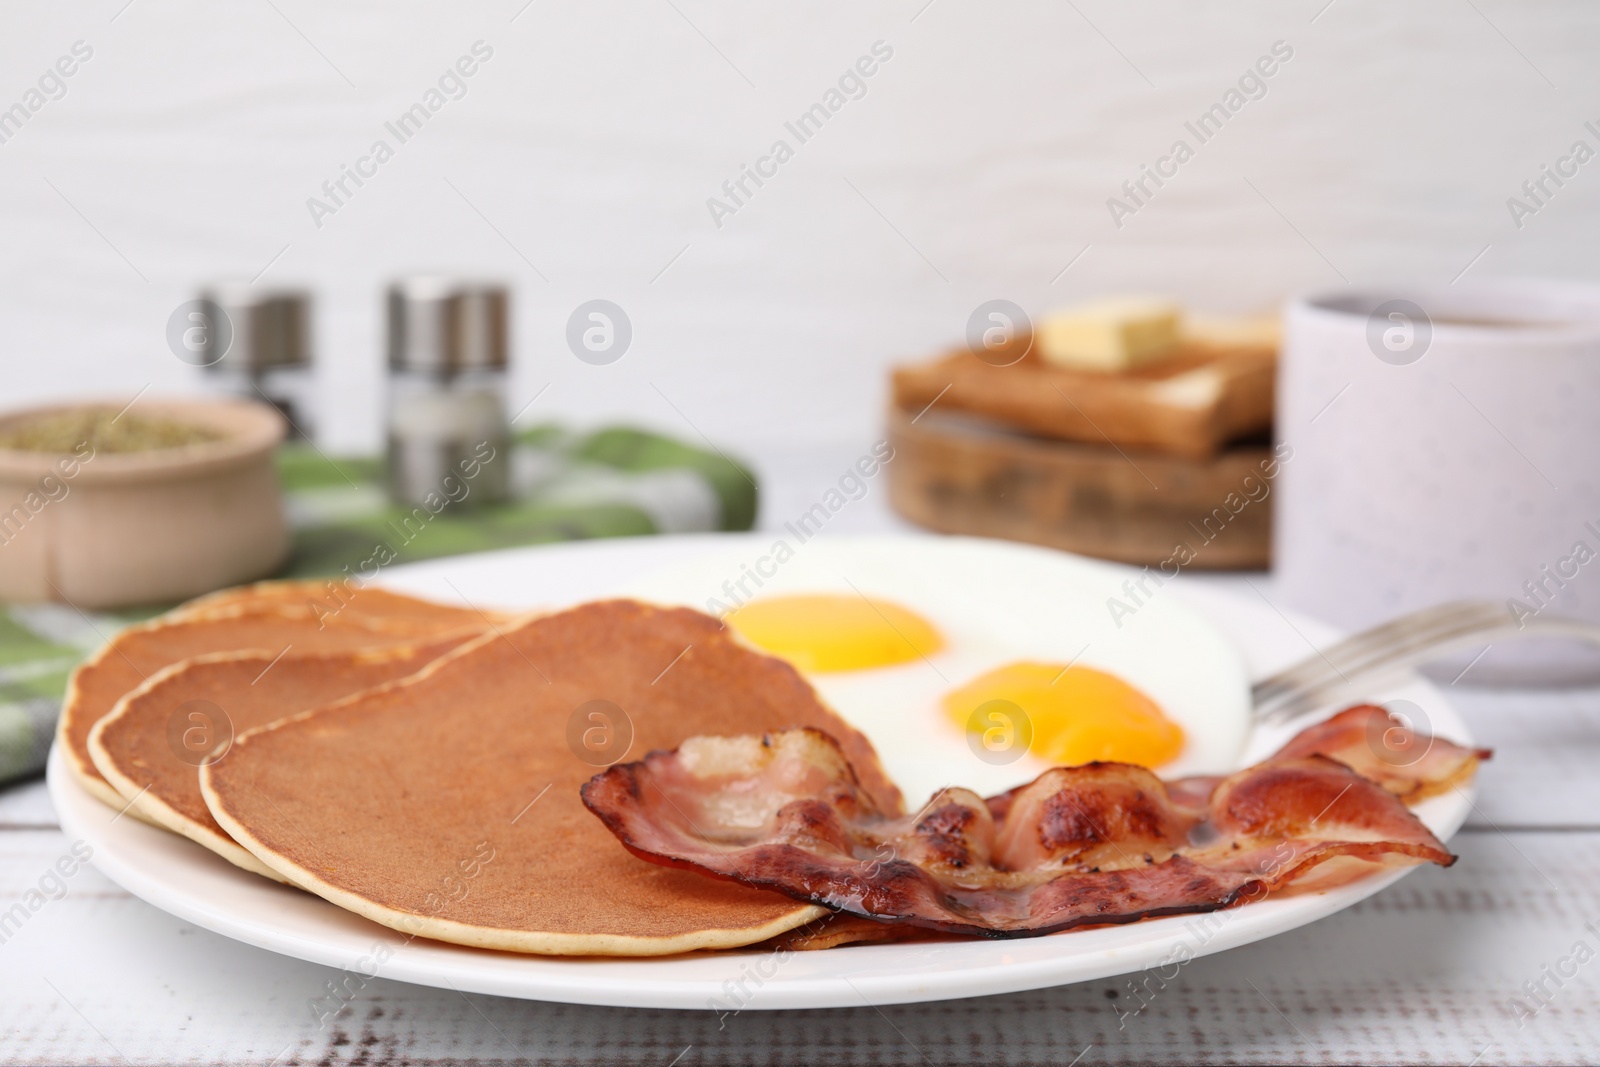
{"x":1547,"y":744}
{"x":1422,"y":973}
{"x":26,"y":806}
{"x":1425,"y":972}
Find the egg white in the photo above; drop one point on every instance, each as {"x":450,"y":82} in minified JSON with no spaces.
{"x":994,"y":602}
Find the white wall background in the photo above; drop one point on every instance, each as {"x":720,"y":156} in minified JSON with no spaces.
{"x":983,"y":154}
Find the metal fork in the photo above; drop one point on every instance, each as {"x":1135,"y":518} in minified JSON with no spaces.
{"x":1318,"y":680}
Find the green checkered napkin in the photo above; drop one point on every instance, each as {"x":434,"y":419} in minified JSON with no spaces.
{"x":617,"y":482}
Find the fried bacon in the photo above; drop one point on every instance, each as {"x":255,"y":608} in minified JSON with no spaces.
{"x":1089,"y":845}
{"x":1379,"y":746}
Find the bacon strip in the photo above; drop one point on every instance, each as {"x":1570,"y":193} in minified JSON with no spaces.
{"x":1096,"y":844}
{"x":1379,"y":746}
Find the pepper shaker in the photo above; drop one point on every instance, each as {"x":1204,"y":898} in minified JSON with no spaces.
{"x":448,"y":437}
{"x":263,"y":352}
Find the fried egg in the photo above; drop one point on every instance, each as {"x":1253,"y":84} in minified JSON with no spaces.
{"x":981,"y":663}
{"x":1073,"y":714}
{"x":827,"y":632}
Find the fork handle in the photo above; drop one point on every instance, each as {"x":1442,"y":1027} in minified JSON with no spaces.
{"x":1315,"y":682}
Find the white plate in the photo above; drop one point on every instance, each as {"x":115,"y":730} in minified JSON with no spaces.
{"x":179,"y":877}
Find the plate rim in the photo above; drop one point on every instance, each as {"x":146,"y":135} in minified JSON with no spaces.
{"x":584,"y":981}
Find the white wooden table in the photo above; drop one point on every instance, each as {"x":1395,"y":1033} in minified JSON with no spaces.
{"x":1429,"y":971}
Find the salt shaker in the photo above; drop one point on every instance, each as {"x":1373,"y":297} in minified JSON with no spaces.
{"x":258,"y":347}
{"x":448,"y":437}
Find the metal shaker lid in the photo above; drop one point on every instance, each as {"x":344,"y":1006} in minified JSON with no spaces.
{"x":444,"y":325}
{"x":264,"y":328}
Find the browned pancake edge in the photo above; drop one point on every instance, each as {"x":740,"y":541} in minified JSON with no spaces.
{"x":133,"y":750}
{"x":137,"y":652}
{"x":446,"y":805}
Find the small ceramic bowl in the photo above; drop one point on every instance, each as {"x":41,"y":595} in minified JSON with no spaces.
{"x":117,"y":529}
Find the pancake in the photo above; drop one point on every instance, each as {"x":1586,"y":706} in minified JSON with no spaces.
{"x":446,"y":805}
{"x":136,"y":653}
{"x":329,"y":597}
{"x":133,"y":746}
{"x":294,"y":593}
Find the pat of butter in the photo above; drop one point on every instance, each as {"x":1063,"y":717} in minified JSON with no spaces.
{"x":1110,"y":335}
{"x":1200,"y":388}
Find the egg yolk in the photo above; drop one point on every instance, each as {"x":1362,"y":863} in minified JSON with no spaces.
{"x":1077,"y":714}
{"x":823,"y":632}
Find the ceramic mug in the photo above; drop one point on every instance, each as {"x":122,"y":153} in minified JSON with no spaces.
{"x":1446,"y":445}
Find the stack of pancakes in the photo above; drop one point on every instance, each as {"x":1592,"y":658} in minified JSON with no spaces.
{"x":419,"y":764}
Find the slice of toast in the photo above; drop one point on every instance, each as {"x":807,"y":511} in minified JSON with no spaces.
{"x":1210,"y":393}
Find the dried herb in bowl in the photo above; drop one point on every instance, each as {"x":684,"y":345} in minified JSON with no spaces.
{"x":104,"y":430}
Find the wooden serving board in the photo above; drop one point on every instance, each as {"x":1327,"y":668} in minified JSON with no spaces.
{"x":1192,"y":405}
{"x":961,"y":475}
